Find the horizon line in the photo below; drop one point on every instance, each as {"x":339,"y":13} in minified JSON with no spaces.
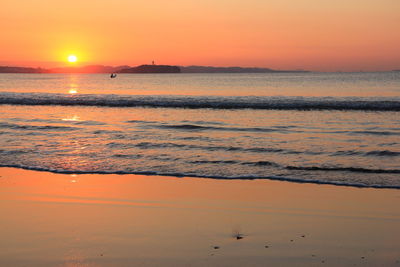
{"x":83,"y":65}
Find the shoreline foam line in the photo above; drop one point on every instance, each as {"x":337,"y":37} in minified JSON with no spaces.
{"x":203,"y":102}
{"x":181,"y":175}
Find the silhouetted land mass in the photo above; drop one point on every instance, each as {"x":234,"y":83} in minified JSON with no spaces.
{"x":88,"y":69}
{"x":209,"y":69}
{"x":7,"y":69}
{"x":84,"y":69}
{"x":144,"y":69}
{"x":152,"y":69}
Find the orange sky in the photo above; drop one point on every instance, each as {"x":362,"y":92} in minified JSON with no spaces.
{"x":282,"y":34}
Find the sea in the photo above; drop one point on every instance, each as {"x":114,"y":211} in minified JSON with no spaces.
{"x":328,"y":128}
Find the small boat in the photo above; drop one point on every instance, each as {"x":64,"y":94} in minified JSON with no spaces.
{"x":113,"y":75}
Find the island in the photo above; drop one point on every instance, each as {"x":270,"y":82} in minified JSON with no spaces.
{"x":143,"y":69}
{"x":152,"y":69}
{"x":210,"y":69}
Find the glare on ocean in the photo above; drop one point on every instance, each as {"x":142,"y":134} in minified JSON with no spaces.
{"x":73,"y":88}
{"x":73,"y":118}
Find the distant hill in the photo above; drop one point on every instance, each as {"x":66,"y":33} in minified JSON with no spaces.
{"x":209,"y":69}
{"x":152,"y":69}
{"x":84,"y":69}
{"x":7,"y":69}
{"x":88,"y":69}
{"x":143,"y":69}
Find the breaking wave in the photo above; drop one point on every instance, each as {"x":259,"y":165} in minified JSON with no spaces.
{"x":200,"y":102}
{"x":242,"y":177}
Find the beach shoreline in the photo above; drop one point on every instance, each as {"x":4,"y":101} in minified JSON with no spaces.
{"x":123,"y":220}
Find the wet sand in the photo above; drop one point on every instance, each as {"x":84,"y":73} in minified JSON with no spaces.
{"x":52,"y":219}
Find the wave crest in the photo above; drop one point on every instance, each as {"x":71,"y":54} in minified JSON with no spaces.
{"x":199,"y":102}
{"x":244,"y":177}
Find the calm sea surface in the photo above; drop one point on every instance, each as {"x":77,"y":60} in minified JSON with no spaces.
{"x":339,"y":128}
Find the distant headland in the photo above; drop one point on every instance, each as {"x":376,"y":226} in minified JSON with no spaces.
{"x":151,"y":69}
{"x":142,"y":69}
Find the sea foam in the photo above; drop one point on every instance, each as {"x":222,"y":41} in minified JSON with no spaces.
{"x":201,"y":102}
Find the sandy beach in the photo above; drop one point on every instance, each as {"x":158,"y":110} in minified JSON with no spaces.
{"x":131,"y":220}
{"x":199,"y":133}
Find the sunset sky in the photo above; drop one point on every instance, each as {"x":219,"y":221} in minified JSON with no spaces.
{"x":322,"y":35}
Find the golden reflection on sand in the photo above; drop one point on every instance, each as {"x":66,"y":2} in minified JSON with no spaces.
{"x":129,"y":220}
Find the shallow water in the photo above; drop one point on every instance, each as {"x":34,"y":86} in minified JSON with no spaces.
{"x":313,"y":127}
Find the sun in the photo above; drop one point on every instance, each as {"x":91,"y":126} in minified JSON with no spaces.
{"x":72,"y":58}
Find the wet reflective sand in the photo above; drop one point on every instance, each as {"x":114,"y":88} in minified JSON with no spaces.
{"x":130,"y":220}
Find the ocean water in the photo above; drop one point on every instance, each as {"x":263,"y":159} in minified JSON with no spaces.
{"x":335,"y":128}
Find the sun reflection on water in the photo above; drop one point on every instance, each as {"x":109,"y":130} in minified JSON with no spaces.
{"x":73,"y":118}
{"x":73,"y":86}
